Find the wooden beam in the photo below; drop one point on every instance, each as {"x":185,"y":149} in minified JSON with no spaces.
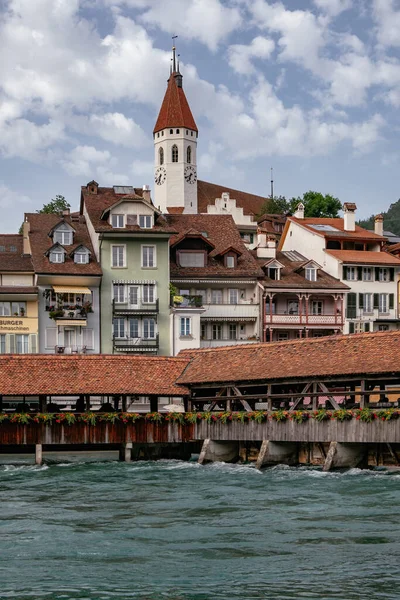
{"x":244,"y":402}
{"x":300,"y":398}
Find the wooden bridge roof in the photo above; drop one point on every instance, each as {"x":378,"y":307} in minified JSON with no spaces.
{"x":363,"y":354}
{"x":101,"y":374}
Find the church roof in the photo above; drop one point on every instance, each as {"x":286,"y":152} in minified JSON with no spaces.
{"x":175,"y":110}
{"x":208,"y":192}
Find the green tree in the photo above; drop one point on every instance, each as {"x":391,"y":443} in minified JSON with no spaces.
{"x":391,"y":219}
{"x":317,"y":204}
{"x":278,"y":205}
{"x":57,"y":205}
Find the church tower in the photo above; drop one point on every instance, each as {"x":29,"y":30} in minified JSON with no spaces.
{"x":175,"y":150}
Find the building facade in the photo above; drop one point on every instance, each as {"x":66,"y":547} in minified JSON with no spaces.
{"x":19,"y":323}
{"x":130,"y":239}
{"x":68,"y":277}
{"x":356,"y":257}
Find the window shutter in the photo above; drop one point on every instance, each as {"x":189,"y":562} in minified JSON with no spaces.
{"x":359,"y":273}
{"x":391,"y":300}
{"x":33,"y":344}
{"x":376,"y":273}
{"x":12,"y":343}
{"x":51,"y":337}
{"x":351,"y":306}
{"x":345,"y":273}
{"x":391,"y":271}
{"x":360,"y":300}
{"x":366,"y":327}
{"x":351,"y":327}
{"x":87,"y":337}
{"x":376,"y":300}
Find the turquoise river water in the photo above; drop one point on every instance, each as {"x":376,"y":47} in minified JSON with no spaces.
{"x":169,"y":530}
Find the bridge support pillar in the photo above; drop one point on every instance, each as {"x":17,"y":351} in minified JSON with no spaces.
{"x":213,"y":451}
{"x":125,"y":452}
{"x":341,"y":455}
{"x":274,"y":453}
{"x":38,"y":454}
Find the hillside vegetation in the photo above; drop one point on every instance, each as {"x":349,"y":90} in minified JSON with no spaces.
{"x":391,"y":219}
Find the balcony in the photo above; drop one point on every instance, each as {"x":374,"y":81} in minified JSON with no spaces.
{"x":187,"y":301}
{"x":70,"y":350}
{"x":141,"y":308}
{"x":247,"y":312}
{"x":372,"y":315}
{"x":74,"y":314}
{"x":138,"y":345}
{"x":324,"y":320}
{"x":225,"y":341}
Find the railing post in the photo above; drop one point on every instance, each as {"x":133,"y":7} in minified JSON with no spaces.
{"x":363,"y":398}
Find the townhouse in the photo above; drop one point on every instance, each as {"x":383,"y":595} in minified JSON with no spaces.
{"x":67,"y":277}
{"x":356,"y":257}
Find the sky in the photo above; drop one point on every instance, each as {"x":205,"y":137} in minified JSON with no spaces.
{"x":310,"y":88}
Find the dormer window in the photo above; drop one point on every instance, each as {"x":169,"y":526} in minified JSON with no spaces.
{"x":81,"y":256}
{"x":311,"y":273}
{"x":63,"y":235}
{"x":117,"y":221}
{"x":188,"y":258}
{"x":145,"y":221}
{"x":57,"y":256}
{"x":274,"y":273}
{"x":230,"y":262}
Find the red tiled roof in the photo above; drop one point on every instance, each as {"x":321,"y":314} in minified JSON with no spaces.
{"x":96,"y":204}
{"x":34,"y":374}
{"x":14,"y":260}
{"x":364,"y":257}
{"x":337,"y":223}
{"x":372,"y":353}
{"x":222,"y":232}
{"x":175,"y":110}
{"x":17,"y":289}
{"x":40,"y":225}
{"x":208,"y":192}
{"x":293,"y":277}
{"x":394,"y":249}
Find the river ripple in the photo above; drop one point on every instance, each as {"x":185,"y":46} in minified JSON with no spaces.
{"x":171,"y":530}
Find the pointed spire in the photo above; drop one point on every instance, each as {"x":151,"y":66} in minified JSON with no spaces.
{"x":174,"y":54}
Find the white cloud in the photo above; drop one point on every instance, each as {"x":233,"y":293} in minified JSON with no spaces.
{"x":111,"y":127}
{"x":23,"y":138}
{"x":240,"y":56}
{"x":388,"y":22}
{"x":333,"y":8}
{"x":144,"y":169}
{"x":88,"y":162}
{"x":11,"y":198}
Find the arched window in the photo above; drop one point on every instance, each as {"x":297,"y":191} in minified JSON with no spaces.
{"x":189,"y":155}
{"x":171,"y":131}
{"x":174,"y":153}
{"x":161,"y":156}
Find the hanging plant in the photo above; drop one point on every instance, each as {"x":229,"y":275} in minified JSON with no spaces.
{"x":321,"y":415}
{"x":89,"y":418}
{"x":299,"y":416}
{"x":365,"y":415}
{"x":280,"y":416}
{"x":342,"y":415}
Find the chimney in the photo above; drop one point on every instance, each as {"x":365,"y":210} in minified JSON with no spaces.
{"x":66,"y":213}
{"x":92,"y":187}
{"x":26,"y":244}
{"x":379,"y":224}
{"x":299,"y":214}
{"x":266,"y":245}
{"x":146,"y":193}
{"x":349,"y":216}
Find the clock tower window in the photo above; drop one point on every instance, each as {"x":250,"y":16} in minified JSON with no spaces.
{"x":161,"y":156}
{"x":174,"y":153}
{"x":189,"y":155}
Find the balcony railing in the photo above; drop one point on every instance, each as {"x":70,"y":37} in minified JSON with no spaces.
{"x":138,"y":344}
{"x":187,"y":301}
{"x":69,"y":312}
{"x":290,"y":319}
{"x":231,"y":310}
{"x":226,"y":341}
{"x":140,"y":308}
{"x":70,"y":349}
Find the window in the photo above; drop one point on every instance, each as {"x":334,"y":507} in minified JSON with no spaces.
{"x":145,"y":221}
{"x":216,"y":297}
{"x":203,"y":295}
{"x":5,"y":309}
{"x":133,"y":328}
{"x":274,"y":273}
{"x":203,"y":331}
{"x":149,"y":329}
{"x":283,"y":336}
{"x":293,"y":307}
{"x":317,"y":307}
{"x":161,"y":156}
{"x":148,"y":257}
{"x":217,"y":331}
{"x":350,"y":273}
{"x":177,"y":131}
{"x":22,"y":344}
{"x":63,"y":236}
{"x":233,"y":331}
{"x":119,"y":292}
{"x":175,"y":153}
{"x":367,"y":303}
{"x":56,"y":256}
{"x":119,"y":328}
{"x":133,"y":295}
{"x":81,"y":257}
{"x":233,"y":296}
{"x":148,"y":293}
{"x":367,"y":274}
{"x":383,"y":303}
{"x":230,"y":262}
{"x":270,"y":307}
{"x":185,"y":326}
{"x":2,"y":344}
{"x":191,"y":259}
{"x":117,"y":221}
{"x":351,"y":306}
{"x":311,"y":274}
{"x":18,"y":309}
{"x":384,"y":275}
{"x":191,"y":133}
{"x":118,"y":256}
{"x":189,"y":155}
{"x":13,"y":248}
{"x":383,"y":327}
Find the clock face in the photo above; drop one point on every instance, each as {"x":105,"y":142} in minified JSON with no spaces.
{"x":190,"y":174}
{"x":160,"y":175}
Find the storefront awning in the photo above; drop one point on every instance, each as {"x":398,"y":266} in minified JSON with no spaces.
{"x":71,"y":289}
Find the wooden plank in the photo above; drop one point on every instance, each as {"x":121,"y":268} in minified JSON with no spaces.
{"x":244,"y":402}
{"x":300,"y":398}
{"x":330,"y":398}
